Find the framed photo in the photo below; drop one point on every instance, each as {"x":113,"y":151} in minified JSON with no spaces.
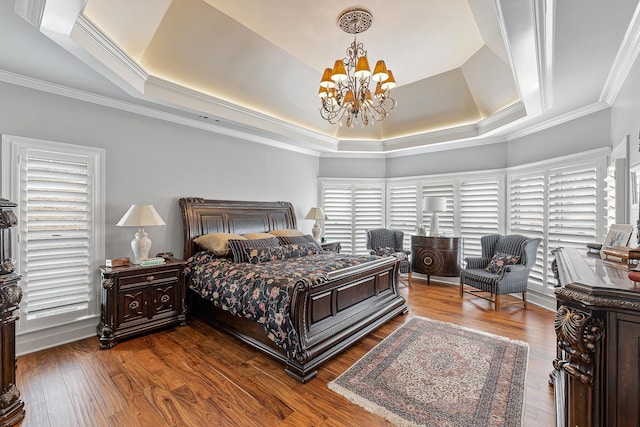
{"x":618,"y":235}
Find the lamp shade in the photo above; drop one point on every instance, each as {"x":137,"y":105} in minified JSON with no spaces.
{"x":435,"y":204}
{"x":316,"y":213}
{"x":140,"y":216}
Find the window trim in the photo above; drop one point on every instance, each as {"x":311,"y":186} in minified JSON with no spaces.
{"x":65,"y":330}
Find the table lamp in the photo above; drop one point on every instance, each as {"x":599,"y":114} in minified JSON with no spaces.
{"x":317,"y":214}
{"x":140,"y":216}
{"x":434,"y":204}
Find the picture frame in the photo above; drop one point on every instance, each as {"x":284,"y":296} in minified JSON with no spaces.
{"x":618,"y":235}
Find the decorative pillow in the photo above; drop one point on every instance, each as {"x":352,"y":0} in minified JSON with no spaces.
{"x":218,"y":243}
{"x":385,"y":251}
{"x":256,"y":236}
{"x":499,"y":261}
{"x":286,"y":232}
{"x":258,"y":255}
{"x":239,"y":245}
{"x":296,"y":240}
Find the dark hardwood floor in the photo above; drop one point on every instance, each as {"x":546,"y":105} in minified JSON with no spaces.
{"x":196,"y":376}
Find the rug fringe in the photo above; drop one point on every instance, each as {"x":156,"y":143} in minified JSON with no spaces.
{"x":371,"y":407}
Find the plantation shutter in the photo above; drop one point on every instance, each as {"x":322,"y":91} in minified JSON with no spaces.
{"x":479,"y":212}
{"x":337,"y":205}
{"x":445,"y":219}
{"x":527,"y":217}
{"x":55,"y":236}
{"x":351,"y":210}
{"x":368,"y":214}
{"x":610,"y":189}
{"x":403,"y":211}
{"x":572,"y":209}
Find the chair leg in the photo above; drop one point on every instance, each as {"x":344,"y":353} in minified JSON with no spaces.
{"x":524,"y":299}
{"x":409,"y":278}
{"x":497,"y":302}
{"x":461,"y":289}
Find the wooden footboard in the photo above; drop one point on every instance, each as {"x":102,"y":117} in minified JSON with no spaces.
{"x":329,"y":312}
{"x":329,"y":315}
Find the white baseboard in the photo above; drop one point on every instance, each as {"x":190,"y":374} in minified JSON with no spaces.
{"x":544,"y":301}
{"x":56,"y":335}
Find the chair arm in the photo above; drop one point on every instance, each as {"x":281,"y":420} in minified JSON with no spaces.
{"x":516,"y":268}
{"x":372,"y":252}
{"x":400,"y":255}
{"x":406,"y":252}
{"x":476,"y":262}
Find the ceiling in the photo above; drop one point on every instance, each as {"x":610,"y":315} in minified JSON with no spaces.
{"x":467,"y":70}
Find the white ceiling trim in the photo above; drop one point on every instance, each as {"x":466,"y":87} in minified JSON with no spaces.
{"x":104,"y":44}
{"x":104,"y":101}
{"x":31,"y":11}
{"x":558,"y":120}
{"x":625,"y":59}
{"x":545,"y":16}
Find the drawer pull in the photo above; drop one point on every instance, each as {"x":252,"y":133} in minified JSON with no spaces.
{"x":164,"y":298}
{"x":133,"y":305}
{"x":150,"y":278}
{"x":427,"y":260}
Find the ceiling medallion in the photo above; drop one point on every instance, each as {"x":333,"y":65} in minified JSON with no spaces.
{"x":344,"y":89}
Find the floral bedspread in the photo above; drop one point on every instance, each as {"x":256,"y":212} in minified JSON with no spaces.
{"x":262,"y":292}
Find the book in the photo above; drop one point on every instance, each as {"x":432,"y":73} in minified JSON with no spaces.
{"x":152,"y":261}
{"x":117,"y":262}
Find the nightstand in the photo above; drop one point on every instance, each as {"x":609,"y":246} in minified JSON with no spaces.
{"x":138,"y":299}
{"x":331,"y":246}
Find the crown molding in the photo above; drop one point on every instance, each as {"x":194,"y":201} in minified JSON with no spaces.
{"x":98,"y":39}
{"x":558,"y":120}
{"x":30,"y":10}
{"x":545,"y":17}
{"x":42,"y":86}
{"x":625,"y":58}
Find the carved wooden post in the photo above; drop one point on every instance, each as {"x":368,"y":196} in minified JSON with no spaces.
{"x":11,"y":407}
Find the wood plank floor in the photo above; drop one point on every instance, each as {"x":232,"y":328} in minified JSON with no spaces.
{"x":197,"y":376}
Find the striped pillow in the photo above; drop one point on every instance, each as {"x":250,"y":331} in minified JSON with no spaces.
{"x":238,"y":247}
{"x":296,"y":240}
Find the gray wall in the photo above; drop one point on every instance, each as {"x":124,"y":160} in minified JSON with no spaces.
{"x":582,"y":134}
{"x":149,"y":161}
{"x":625,"y":115}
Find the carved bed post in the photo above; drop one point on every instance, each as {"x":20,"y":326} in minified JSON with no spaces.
{"x":11,"y":407}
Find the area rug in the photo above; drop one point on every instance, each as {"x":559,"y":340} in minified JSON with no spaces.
{"x":430,"y":373}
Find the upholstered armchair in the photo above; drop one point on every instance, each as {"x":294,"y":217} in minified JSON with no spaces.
{"x":385,"y":241}
{"x":503,"y":268}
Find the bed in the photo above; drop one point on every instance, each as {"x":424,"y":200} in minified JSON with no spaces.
{"x":327,"y":311}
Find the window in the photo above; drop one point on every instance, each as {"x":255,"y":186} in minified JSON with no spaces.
{"x":480,"y":212}
{"x":403,"y":212}
{"x":561,"y":203}
{"x":352,"y":209}
{"x":60,"y":228}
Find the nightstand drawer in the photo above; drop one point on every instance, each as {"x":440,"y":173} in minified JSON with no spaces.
{"x":148,"y":278}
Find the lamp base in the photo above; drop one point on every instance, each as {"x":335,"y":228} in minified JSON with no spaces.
{"x":141,"y":244}
{"x":434,"y":227}
{"x":316,"y":230}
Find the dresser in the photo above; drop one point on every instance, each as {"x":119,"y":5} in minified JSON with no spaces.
{"x":436,"y":255}
{"x":595,"y":372}
{"x":137,"y":299}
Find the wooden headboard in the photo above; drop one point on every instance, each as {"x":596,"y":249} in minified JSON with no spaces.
{"x":201,"y":216}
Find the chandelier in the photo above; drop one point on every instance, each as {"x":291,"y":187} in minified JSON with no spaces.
{"x":344,"y":89}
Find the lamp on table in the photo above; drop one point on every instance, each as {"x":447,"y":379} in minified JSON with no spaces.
{"x":317,"y":214}
{"x":434,"y":204}
{"x":140,"y":216}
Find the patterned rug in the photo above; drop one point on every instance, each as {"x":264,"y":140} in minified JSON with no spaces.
{"x":430,"y":373}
